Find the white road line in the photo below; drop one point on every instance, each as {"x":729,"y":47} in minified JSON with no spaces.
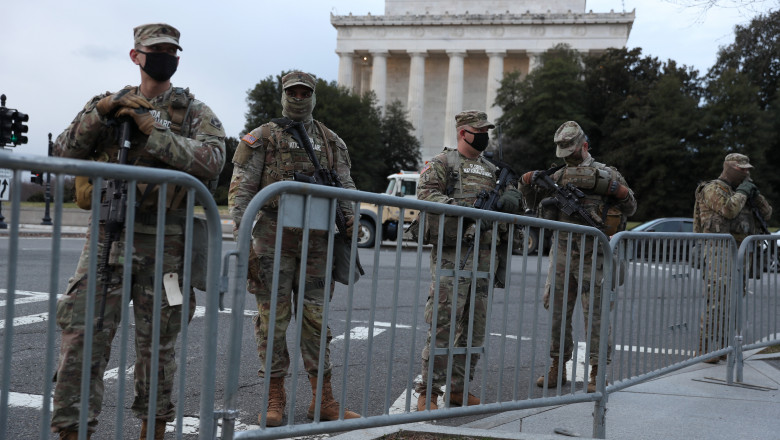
{"x":114,"y":373}
{"x":30,"y":297}
{"x":654,"y":350}
{"x":23,"y":400}
{"x":359,"y":333}
{"x":25,"y":320}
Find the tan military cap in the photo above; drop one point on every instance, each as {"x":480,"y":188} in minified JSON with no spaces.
{"x":567,"y":138}
{"x":156,"y":33}
{"x":473,"y":118}
{"x":298,"y":78}
{"x":740,"y":160}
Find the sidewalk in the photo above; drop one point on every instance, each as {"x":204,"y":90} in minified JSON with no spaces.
{"x":34,"y":230}
{"x":680,"y":405}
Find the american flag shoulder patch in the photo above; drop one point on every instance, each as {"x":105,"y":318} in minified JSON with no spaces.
{"x":249,"y":139}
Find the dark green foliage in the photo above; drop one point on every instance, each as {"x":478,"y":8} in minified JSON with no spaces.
{"x":743,"y":104}
{"x":535,"y":106}
{"x":401,"y":148}
{"x":660,"y":124}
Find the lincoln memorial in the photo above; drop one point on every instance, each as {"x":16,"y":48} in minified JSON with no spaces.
{"x":439,"y":57}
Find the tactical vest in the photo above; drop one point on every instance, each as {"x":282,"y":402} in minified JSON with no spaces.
{"x":284,"y":157}
{"x":593,"y":180}
{"x":178,"y":110}
{"x":463,"y":183}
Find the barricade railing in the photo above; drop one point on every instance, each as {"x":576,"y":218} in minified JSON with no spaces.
{"x":666,"y":283}
{"x":19,"y":365}
{"x":758,"y":320}
{"x":378,"y":323}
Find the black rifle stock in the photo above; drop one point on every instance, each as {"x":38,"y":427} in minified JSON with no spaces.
{"x":488,"y":200}
{"x":757,"y":214}
{"x":321,"y":176}
{"x":566,"y":198}
{"x":113,"y":208}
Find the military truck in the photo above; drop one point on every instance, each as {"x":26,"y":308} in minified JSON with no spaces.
{"x":401,"y":184}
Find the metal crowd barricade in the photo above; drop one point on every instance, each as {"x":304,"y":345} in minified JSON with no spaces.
{"x":15,"y":285}
{"x":375,"y":374}
{"x":758,"y":324}
{"x":661,"y":295}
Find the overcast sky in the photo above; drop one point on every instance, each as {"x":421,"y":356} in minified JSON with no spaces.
{"x":55,"y":55}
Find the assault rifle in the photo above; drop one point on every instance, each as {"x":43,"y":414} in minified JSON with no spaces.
{"x":113,"y":207}
{"x":566,"y":198}
{"x":757,"y":214}
{"x":488,"y":200}
{"x":321,"y":175}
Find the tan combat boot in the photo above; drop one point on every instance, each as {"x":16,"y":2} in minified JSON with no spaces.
{"x":552,"y":375}
{"x":329,"y":408}
{"x":421,"y":402}
{"x":594,"y":371}
{"x":277,"y":400}
{"x":456,"y":399}
{"x":159,"y":430}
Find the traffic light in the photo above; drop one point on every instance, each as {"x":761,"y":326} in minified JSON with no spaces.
{"x":6,"y":125}
{"x":36,"y":178}
{"x":19,"y":128}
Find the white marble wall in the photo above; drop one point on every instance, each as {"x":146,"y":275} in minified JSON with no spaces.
{"x":375,"y":53}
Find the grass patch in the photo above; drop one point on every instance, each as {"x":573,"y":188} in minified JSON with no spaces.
{"x":771,"y":349}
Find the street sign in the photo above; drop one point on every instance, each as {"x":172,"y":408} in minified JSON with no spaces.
{"x":5,"y":183}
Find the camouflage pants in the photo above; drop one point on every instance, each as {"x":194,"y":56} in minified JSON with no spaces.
{"x":463,"y":305}
{"x":71,"y":318}
{"x":712,"y":326}
{"x":565,"y":293}
{"x":288,"y":297}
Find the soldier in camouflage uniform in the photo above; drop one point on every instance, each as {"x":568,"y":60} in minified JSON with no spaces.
{"x":456,"y":177}
{"x":162,"y":138}
{"x":608,"y":200}
{"x":723,"y":206}
{"x":266,"y":155}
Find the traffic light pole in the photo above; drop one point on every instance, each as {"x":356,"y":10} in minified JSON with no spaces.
{"x":46,"y":220}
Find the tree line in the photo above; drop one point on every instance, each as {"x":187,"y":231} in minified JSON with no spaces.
{"x":664,"y":126}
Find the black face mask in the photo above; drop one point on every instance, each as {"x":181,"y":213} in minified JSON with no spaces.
{"x":480,"y":141}
{"x":159,"y":65}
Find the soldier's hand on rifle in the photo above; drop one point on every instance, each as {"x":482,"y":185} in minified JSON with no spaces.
{"x":510,"y":200}
{"x":530,"y":177}
{"x":617,"y":190}
{"x":122,"y":98}
{"x":747,"y":187}
{"x":143,"y":119}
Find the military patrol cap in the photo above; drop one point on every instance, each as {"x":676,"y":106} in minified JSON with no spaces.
{"x":298,"y":78}
{"x":156,"y":33}
{"x":567,"y":138}
{"x":473,"y":118}
{"x":740,"y":160}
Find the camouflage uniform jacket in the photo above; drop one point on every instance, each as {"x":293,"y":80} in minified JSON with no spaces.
{"x":199,"y":150}
{"x":454,"y":179}
{"x":720,"y":209}
{"x":268,"y":154}
{"x":593,"y":202}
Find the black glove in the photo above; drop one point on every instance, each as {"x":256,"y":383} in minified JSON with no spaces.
{"x":746,"y":187}
{"x":510,"y":200}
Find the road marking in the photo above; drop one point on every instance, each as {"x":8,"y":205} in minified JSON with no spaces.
{"x":23,"y":400}
{"x":25,"y":320}
{"x":114,"y":372}
{"x":359,"y":333}
{"x":31,"y":297}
